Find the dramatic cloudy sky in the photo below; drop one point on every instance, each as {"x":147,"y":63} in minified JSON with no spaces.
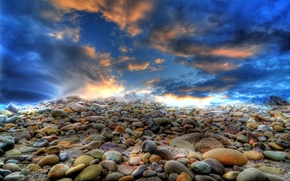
{"x":178,"y":51}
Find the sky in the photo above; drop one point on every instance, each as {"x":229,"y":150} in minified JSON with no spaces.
{"x":177,"y":51}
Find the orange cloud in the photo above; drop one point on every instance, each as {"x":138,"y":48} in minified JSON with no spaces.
{"x":125,"y":58}
{"x":126,"y":14}
{"x":175,"y":100}
{"x":105,"y":62}
{"x":159,"y":61}
{"x":104,"y":58}
{"x":138,"y":66}
{"x":236,"y":52}
{"x":124,"y":49}
{"x":215,"y":67}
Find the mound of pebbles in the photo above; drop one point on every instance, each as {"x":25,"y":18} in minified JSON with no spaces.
{"x":83,"y":140}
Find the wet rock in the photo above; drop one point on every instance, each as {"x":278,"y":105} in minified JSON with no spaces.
{"x":83,"y":159}
{"x":164,"y":154}
{"x":226,"y":156}
{"x":251,"y":174}
{"x":139,"y":171}
{"x":48,"y":160}
{"x":201,"y":167}
{"x":41,"y":143}
{"x":148,"y":146}
{"x":57,"y":171}
{"x":89,"y":173}
{"x":276,"y":156}
{"x":6,"y":142}
{"x":216,"y":166}
{"x":176,"y":167}
{"x":125,"y":169}
{"x":112,"y":155}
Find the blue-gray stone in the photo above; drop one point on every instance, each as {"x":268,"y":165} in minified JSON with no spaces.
{"x":12,"y":119}
{"x":12,"y":108}
{"x":43,"y":110}
{"x":3,"y":118}
{"x":63,"y":156}
{"x":41,"y":143}
{"x":139,"y":171}
{"x":6,"y":142}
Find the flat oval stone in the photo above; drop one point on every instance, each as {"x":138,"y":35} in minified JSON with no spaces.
{"x":231,"y":175}
{"x":89,"y":173}
{"x":48,"y":160}
{"x":113,"y":155}
{"x":276,"y":156}
{"x":125,"y":169}
{"x":41,"y":143}
{"x":139,"y":171}
{"x":272,"y":170}
{"x":251,"y":174}
{"x":226,"y":156}
{"x":164,"y":153}
{"x":253,"y":155}
{"x":216,"y":166}
{"x":115,"y":176}
{"x":182,"y":144}
{"x":204,"y":178}
{"x":109,"y":165}
{"x":53,"y":150}
{"x":57,"y":171}
{"x":75,"y":169}
{"x":177,"y":167}
{"x":11,"y":166}
{"x":58,"y":113}
{"x":83,"y":159}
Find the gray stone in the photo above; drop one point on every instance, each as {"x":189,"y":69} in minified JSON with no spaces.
{"x":251,"y":174}
{"x":177,"y":167}
{"x":148,"y":146}
{"x":6,"y":142}
{"x":58,"y":113}
{"x":41,"y":143}
{"x":201,"y":167}
{"x":139,"y":171}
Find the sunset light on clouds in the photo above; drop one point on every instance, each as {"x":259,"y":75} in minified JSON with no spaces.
{"x":176,"y":51}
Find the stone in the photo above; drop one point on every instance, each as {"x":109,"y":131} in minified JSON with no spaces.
{"x":42,"y":110}
{"x":83,"y":159}
{"x":4,"y":172}
{"x":204,"y":178}
{"x":11,"y":166}
{"x":182,"y":144}
{"x":176,"y":167}
{"x":137,"y":134}
{"x":127,"y":178}
{"x":12,"y":108}
{"x":275,"y":146}
{"x":226,"y":156}
{"x":125,"y":169}
{"x":6,"y":142}
{"x":93,"y":145}
{"x":251,"y":174}
{"x":48,"y":160}
{"x":109,"y":165}
{"x":206,"y":144}
{"x":242,"y":138}
{"x":135,"y":160}
{"x":76,"y":107}
{"x":272,"y":170}
{"x":53,"y":150}
{"x":253,"y":155}
{"x":41,"y":143}
{"x":107,"y":133}
{"x":276,"y":156}
{"x":13,"y":152}
{"x":63,"y":156}
{"x":231,"y":175}
{"x":216,"y":166}
{"x":15,"y":176}
{"x":6,"y":113}
{"x":96,"y":153}
{"x":3,"y":118}
{"x":75,"y":169}
{"x":195,"y":155}
{"x":279,"y":128}
{"x":112,"y":155}
{"x":33,"y":167}
{"x":57,"y":171}
{"x":201,"y":167}
{"x":149,"y":173}
{"x":161,"y":121}
{"x":115,"y":176}
{"x":139,"y":171}
{"x":12,"y":119}
{"x":164,"y":154}
{"x":155,"y":158}
{"x":89,"y":173}
{"x":148,"y":146}
{"x":58,"y":113}
{"x":156,"y":167}
{"x":21,"y":135}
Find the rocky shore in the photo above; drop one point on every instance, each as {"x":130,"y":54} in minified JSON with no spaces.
{"x":73,"y":139}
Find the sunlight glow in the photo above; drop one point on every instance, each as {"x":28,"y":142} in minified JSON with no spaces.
{"x":173,"y":100}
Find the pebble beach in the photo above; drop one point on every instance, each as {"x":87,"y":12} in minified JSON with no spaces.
{"x":74,"y":139}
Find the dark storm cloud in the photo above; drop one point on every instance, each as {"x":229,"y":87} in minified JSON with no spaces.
{"x":41,"y":61}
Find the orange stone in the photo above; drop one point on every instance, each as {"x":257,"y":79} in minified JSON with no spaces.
{"x":64,"y":144}
{"x":226,"y":156}
{"x":119,"y":129}
{"x":183,"y":177}
{"x":253,"y":155}
{"x":155,"y":158}
{"x":68,"y":110}
{"x":127,"y":178}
